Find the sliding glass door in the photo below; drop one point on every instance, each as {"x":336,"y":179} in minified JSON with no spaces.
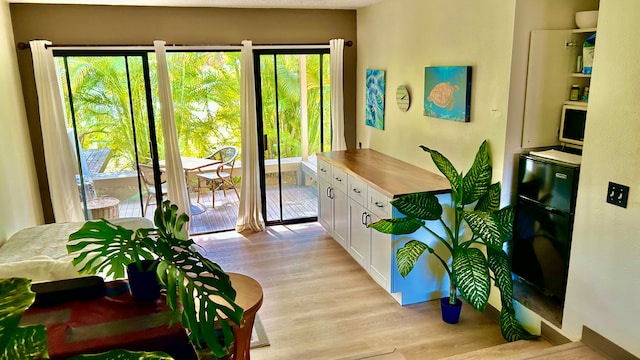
{"x":111,"y":127}
{"x":293,"y":101}
{"x":115,"y":126}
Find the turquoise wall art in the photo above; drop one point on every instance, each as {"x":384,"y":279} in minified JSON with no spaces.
{"x":447,"y":92}
{"x":375,"y":83}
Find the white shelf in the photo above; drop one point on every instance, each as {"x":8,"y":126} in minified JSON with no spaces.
{"x":577,"y":103}
{"x":581,"y":75}
{"x":587,"y":30}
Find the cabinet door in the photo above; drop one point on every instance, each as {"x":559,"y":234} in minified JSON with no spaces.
{"x":548,"y":80}
{"x":380,"y":257}
{"x":340,"y":217}
{"x":359,"y":243}
{"x":325,"y":204}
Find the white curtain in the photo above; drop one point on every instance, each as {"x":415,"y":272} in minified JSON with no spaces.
{"x":336,"y":58}
{"x":250,"y":210}
{"x":176,"y":185}
{"x":59,"y":154}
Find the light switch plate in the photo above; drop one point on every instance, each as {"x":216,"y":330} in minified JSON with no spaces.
{"x":617,"y":194}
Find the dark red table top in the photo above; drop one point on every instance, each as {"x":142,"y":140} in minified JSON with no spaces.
{"x":115,"y":321}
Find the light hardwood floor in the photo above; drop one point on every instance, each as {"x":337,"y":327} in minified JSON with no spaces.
{"x":320,"y":304}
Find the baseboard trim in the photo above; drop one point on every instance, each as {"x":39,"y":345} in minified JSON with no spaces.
{"x":492,"y":313}
{"x":604,"y":346}
{"x":552,"y":335}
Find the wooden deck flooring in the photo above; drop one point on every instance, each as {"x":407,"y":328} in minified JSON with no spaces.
{"x":298,"y":202}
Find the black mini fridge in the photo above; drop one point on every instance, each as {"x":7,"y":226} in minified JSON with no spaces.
{"x":543,"y":223}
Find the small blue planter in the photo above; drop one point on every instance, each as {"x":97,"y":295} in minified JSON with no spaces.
{"x":144,"y":284}
{"x":450,"y":313}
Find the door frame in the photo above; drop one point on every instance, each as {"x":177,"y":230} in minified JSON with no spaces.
{"x":260,"y":127}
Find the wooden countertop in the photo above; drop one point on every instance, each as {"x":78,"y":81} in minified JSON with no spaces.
{"x":388,"y":175}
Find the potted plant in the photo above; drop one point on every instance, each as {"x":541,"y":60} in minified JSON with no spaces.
{"x":475,"y":202}
{"x":192,"y":282}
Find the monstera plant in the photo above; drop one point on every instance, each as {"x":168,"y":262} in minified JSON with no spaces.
{"x":475,"y":224}
{"x":197,"y":289}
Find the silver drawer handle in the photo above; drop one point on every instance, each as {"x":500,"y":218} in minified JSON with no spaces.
{"x":323,"y":170}
{"x":338,"y":179}
{"x":378,"y":204}
{"x":357,"y":191}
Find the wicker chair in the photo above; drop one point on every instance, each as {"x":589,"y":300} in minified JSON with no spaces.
{"x":222,"y":177}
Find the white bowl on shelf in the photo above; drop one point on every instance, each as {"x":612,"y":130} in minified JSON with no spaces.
{"x":587,"y":19}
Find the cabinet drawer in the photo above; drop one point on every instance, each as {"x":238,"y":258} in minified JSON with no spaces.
{"x":324,"y":170}
{"x":379,"y":204}
{"x":339,"y":179}
{"x":357,"y":190}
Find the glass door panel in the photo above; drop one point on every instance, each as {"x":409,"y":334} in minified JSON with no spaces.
{"x":293,"y":100}
{"x":108,"y":124}
{"x":205,"y":87}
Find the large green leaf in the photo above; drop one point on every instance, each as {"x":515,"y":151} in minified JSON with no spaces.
{"x":448,"y":170}
{"x":103,"y":247}
{"x":500,"y":266}
{"x":29,"y":342}
{"x":124,"y":355}
{"x":470,"y":272}
{"x":19,"y":342}
{"x":408,"y":255}
{"x":397,"y":226}
{"x":485,"y":226}
{"x":491,"y":200}
{"x":511,"y":329}
{"x":504,"y":218}
{"x":422,"y":205}
{"x":475,"y":183}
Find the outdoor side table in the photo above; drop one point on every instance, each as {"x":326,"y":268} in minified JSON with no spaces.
{"x":104,"y":208}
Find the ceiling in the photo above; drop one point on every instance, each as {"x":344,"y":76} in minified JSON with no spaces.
{"x":288,"y":4}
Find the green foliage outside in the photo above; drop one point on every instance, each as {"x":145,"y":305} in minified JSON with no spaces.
{"x":206,"y":95}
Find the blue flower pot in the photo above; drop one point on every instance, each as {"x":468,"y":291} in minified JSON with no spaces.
{"x":144,"y":284}
{"x":450,"y":313}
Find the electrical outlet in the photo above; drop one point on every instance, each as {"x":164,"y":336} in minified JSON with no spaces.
{"x":618,"y":194}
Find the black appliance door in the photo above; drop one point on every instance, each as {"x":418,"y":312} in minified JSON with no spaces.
{"x":540,"y":248}
{"x":550,"y":183}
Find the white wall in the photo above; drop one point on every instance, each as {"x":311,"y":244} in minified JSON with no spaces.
{"x":404,"y":36}
{"x":603,"y":290}
{"x":19,"y":196}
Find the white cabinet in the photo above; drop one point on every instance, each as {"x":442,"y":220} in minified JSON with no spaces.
{"x":332,"y":201}
{"x":359,"y":234}
{"x":370,"y":248}
{"x":356,"y":187}
{"x":550,"y":74}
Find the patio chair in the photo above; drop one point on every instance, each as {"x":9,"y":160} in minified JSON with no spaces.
{"x":146,"y":175}
{"x":222,"y":177}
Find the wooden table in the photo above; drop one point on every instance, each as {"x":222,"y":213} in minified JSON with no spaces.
{"x":190,"y":164}
{"x":114,"y":321}
{"x":248,"y":297}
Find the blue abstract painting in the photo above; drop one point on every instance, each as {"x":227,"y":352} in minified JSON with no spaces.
{"x":447,"y":92}
{"x":375,"y":83}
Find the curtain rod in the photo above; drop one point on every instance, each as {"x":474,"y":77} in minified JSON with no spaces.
{"x":24,"y":46}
